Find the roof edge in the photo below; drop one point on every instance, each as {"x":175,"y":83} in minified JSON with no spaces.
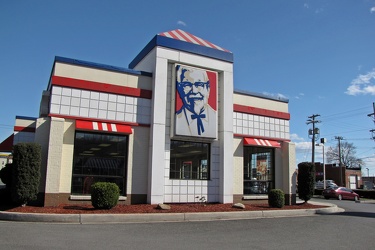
{"x":171,"y":43}
{"x":260,"y":95}
{"x":100,"y":66}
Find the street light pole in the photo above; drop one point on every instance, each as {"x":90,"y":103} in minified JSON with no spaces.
{"x":322,"y":141}
{"x":339,"y":138}
{"x":324,"y":165}
{"x":368,"y":172}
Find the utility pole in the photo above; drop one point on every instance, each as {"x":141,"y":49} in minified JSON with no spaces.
{"x":339,"y":138}
{"x":373,"y":118}
{"x":312,"y":132}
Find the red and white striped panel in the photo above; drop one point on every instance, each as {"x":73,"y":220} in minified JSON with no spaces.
{"x":261,"y":142}
{"x":187,"y":37}
{"x":103,"y":126}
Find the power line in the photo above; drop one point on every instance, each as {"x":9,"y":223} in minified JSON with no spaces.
{"x":344,"y":113}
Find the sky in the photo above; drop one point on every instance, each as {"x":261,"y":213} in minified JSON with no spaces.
{"x":320,"y":55}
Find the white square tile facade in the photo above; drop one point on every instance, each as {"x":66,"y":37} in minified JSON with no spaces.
{"x":97,"y":105}
{"x":260,"y":126}
{"x":177,"y":191}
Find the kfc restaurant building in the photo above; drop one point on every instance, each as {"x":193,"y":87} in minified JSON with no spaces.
{"x":168,"y":129}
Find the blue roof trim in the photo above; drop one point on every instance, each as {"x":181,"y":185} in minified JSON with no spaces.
{"x":269,"y":97}
{"x":26,"y":118}
{"x":100,"y":66}
{"x":182,"y":46}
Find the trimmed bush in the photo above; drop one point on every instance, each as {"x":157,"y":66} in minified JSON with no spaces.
{"x":276,"y":198}
{"x":26,"y":172}
{"x":306,"y":179}
{"x":104,"y":195}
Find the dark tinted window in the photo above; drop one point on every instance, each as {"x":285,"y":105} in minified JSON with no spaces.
{"x":98,"y":157}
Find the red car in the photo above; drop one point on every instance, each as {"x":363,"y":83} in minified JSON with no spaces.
{"x":340,"y":193}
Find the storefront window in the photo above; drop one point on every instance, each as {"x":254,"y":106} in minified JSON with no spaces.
{"x":98,"y":157}
{"x":189,"y":160}
{"x":258,"y":170}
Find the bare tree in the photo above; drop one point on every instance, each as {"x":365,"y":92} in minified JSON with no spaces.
{"x":348,"y":158}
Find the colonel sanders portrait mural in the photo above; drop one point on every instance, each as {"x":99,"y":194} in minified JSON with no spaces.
{"x":196,"y":102}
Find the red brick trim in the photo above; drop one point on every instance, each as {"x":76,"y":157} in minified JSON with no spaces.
{"x":261,"y":137}
{"x":23,"y":129}
{"x":101,"y":87}
{"x":98,"y":120}
{"x":261,"y":112}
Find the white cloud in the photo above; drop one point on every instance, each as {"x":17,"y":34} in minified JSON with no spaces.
{"x":372,"y":9}
{"x":363,"y":84}
{"x":295,"y":137}
{"x":319,"y":10}
{"x":299,"y":96}
{"x":181,"y":23}
{"x":306,"y":6}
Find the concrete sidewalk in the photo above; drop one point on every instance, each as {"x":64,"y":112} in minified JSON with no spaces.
{"x":165,"y":217}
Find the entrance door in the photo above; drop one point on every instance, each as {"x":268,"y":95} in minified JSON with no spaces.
{"x":353,"y":182}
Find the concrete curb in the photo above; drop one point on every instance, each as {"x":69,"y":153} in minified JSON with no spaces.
{"x":367,"y":201}
{"x":164,"y":217}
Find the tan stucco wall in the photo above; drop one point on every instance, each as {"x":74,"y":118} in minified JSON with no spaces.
{"x":42,"y":137}
{"x":259,"y":102}
{"x":67,"y":156}
{"x":289,"y":173}
{"x":138,"y":161}
{"x":25,"y":123}
{"x":237,"y":166}
{"x":54,"y":157}
{"x":102,"y":76}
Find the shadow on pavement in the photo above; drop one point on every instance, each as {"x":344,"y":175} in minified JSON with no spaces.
{"x":357,"y":214}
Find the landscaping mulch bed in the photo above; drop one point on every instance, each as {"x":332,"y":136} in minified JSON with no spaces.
{"x":147,"y":208}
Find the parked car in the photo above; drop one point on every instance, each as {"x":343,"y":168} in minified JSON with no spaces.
{"x":329,"y":184}
{"x":340,"y":193}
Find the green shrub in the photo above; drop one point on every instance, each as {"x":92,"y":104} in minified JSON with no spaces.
{"x":6,"y":175}
{"x":306,"y":179}
{"x":26,"y":172}
{"x":276,"y":198}
{"x":104,"y":195}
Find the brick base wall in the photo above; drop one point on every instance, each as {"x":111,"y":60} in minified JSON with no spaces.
{"x":290,"y":199}
{"x":51,"y":200}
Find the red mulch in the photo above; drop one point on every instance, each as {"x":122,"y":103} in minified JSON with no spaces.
{"x":147,"y":208}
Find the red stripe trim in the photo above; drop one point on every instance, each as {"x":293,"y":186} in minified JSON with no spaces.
{"x":195,"y":39}
{"x":23,"y":129}
{"x":101,"y":87}
{"x":103,"y":127}
{"x":173,"y":35}
{"x":261,"y":142}
{"x":185,"y":37}
{"x":260,"y":111}
{"x":133,"y":124}
{"x":262,"y":137}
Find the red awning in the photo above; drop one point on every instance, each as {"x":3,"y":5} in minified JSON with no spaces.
{"x":103,"y":126}
{"x":261,"y":142}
